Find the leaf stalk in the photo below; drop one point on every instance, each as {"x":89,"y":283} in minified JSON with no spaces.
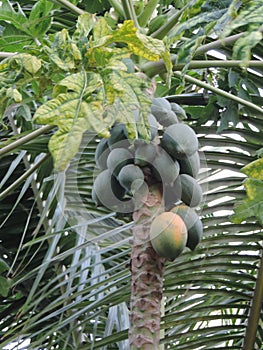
{"x":21,"y":141}
{"x":220,"y":92}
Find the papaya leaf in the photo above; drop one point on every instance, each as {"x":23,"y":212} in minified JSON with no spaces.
{"x":17,"y":18}
{"x":252,"y":207}
{"x":40,"y":17}
{"x":101,"y":29}
{"x":254,"y":169}
{"x":249,"y":16}
{"x":84,"y":26}
{"x":243,"y":46}
{"x":139,"y":44}
{"x":64,"y":52}
{"x":14,"y":94}
{"x":74,"y":112}
{"x":30,"y":63}
{"x":13,"y":39}
{"x":127,"y":93}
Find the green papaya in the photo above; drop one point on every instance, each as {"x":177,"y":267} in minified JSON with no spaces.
{"x":118,"y":137}
{"x":131,"y":177}
{"x":171,"y":195}
{"x":162,"y":111}
{"x":101,"y":154}
{"x":118,"y":158}
{"x":106,"y":190}
{"x":193,"y":224}
{"x":191,"y":191}
{"x":165,"y":168}
{"x":190,"y":165}
{"x":144,"y":152}
{"x":153,"y":123}
{"x":161,"y":103}
{"x":179,"y":140}
{"x":178,"y":110}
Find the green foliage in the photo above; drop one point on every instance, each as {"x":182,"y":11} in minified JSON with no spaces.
{"x":252,"y":207}
{"x":21,"y":30}
{"x":92,"y":79}
{"x":65,"y":280}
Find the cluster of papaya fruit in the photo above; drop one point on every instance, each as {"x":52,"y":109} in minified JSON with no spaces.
{"x":170,"y":159}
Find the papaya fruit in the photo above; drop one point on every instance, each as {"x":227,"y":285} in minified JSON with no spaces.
{"x":118,"y":158}
{"x":153,"y":123}
{"x":178,"y":110}
{"x":131,"y":177}
{"x":193,"y":224}
{"x":144,"y":152}
{"x":179,"y":140}
{"x":168,"y":235}
{"x":118,"y":137}
{"x":171,"y":195}
{"x":191,"y":191}
{"x":190,"y":165}
{"x":162,"y":111}
{"x":164,"y":168}
{"x":106,"y":190}
{"x":161,"y":103}
{"x":101,"y":154}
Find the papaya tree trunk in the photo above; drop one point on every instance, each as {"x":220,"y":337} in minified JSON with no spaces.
{"x":146,"y":279}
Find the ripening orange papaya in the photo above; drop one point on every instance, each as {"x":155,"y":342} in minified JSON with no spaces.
{"x":168,"y":235}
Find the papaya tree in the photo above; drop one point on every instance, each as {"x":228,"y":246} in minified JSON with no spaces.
{"x":91,"y":98}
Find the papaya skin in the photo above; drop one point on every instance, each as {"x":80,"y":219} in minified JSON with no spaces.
{"x":193,"y":224}
{"x":168,"y":235}
{"x":179,"y":140}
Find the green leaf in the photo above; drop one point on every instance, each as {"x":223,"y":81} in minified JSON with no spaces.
{"x":249,"y":16}
{"x":14,"y":94}
{"x":254,"y":169}
{"x":13,"y":39}
{"x":3,"y":266}
{"x":4,"y":286}
{"x":101,"y":29}
{"x":253,"y":205}
{"x":243,"y":46}
{"x":40,"y":17}
{"x":17,"y":18}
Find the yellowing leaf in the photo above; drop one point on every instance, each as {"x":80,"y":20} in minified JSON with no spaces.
{"x":73,"y":112}
{"x":64,"y":144}
{"x":30,"y":63}
{"x":127,"y":93}
{"x":252,"y":207}
{"x":84,"y":26}
{"x":14,"y":94}
{"x":64,"y":52}
{"x":254,"y":169}
{"x":101,"y":29}
{"x":139,"y":44}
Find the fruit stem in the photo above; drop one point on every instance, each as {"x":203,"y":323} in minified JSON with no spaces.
{"x":147,"y":270}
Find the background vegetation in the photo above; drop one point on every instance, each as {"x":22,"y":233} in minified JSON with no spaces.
{"x":64,"y":280}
